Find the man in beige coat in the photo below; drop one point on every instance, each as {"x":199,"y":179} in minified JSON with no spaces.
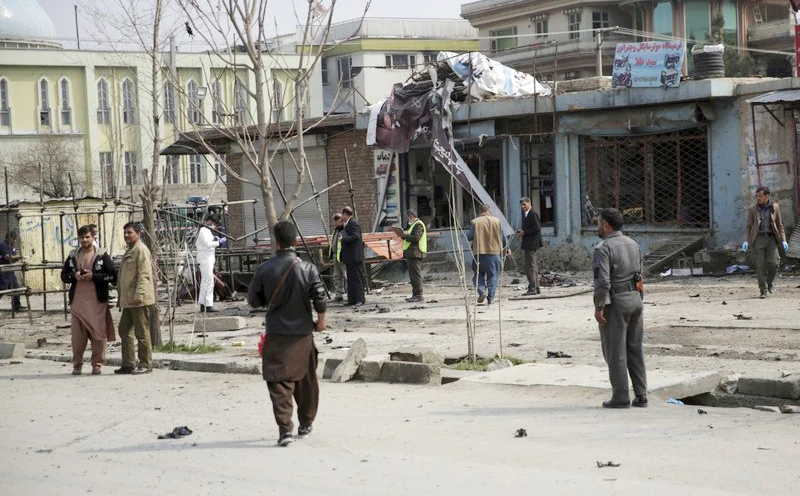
{"x":764,"y":231}
{"x":136,"y":295}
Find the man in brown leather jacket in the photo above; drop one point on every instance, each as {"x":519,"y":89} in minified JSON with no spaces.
{"x":288,"y":287}
{"x":764,"y":231}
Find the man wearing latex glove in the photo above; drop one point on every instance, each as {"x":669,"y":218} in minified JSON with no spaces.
{"x":205,"y":244}
{"x":223,"y":241}
{"x":765,"y":234}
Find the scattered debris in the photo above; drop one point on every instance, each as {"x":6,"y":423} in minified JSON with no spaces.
{"x":328,"y":339}
{"x":673,"y":401}
{"x":695,"y":295}
{"x":383,"y":310}
{"x":607,"y":464}
{"x":347,"y":330}
{"x":724,"y":302}
{"x":521,"y":433}
{"x":176,"y":433}
{"x":701,"y":411}
{"x":433,"y":301}
{"x":790,"y":409}
{"x":41,"y":342}
{"x":514,"y":345}
{"x":516,"y":281}
{"x":391,"y":329}
{"x":557,"y":354}
{"x":742,"y":317}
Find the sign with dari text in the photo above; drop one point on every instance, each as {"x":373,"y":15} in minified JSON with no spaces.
{"x":649,"y":64}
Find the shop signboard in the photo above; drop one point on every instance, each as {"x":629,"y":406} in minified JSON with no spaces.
{"x":648,"y":64}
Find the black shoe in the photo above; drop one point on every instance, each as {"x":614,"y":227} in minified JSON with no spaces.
{"x":304,"y":431}
{"x":285,"y":439}
{"x":770,"y":288}
{"x":481,"y":298}
{"x":211,"y":310}
{"x":530,"y":292}
{"x":640,"y":401}
{"x":616,"y":404}
{"x":356,"y":305}
{"x":76,"y":370}
{"x":124,"y":370}
{"x":763,"y":294}
{"x":414,"y":299}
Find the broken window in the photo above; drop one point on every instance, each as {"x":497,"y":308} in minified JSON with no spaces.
{"x":660,"y":179}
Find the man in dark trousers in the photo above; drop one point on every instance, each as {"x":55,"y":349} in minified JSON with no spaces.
{"x":531,"y":236}
{"x":618,"y":309}
{"x":353,"y":258}
{"x":415,"y":246}
{"x":288,"y":287}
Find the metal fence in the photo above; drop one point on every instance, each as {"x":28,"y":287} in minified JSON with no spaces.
{"x":659,"y":179}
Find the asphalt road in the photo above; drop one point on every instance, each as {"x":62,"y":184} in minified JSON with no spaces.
{"x":64,"y":435}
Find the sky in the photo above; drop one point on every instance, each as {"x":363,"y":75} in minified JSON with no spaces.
{"x":63,"y":14}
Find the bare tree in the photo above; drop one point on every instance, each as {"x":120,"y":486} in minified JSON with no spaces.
{"x":245,"y":42}
{"x":46,"y":167}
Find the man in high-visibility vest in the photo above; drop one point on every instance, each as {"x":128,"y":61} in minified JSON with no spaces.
{"x":335,"y":256}
{"x":415,"y":246}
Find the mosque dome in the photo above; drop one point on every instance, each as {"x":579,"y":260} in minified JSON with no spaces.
{"x":24,"y":24}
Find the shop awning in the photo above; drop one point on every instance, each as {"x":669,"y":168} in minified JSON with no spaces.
{"x":782,"y":96}
{"x":636,"y":121}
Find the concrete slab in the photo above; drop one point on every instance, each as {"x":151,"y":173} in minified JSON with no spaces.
{"x":12,"y":350}
{"x":220,"y":324}
{"x":661,"y":383}
{"x":369,"y":371}
{"x":410,"y":373}
{"x":417,"y":355}
{"x":788,"y":388}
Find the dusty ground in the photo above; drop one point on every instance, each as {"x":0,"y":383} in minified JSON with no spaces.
{"x":705,"y":323}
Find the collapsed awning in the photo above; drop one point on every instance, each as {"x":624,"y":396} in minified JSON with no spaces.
{"x":636,"y":121}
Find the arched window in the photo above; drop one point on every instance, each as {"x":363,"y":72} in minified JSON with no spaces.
{"x":219,"y":106}
{"x":128,"y":102}
{"x":193,"y":113}
{"x":277,"y":102}
{"x":103,"y":108}
{"x":5,"y":108}
{"x":44,"y":102}
{"x":240,"y":101}
{"x":66,"y":110}
{"x":169,"y":102}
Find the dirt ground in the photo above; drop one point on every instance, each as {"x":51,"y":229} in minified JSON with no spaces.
{"x":702,"y":323}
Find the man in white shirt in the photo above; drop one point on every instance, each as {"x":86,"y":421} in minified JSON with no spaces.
{"x":205,"y":244}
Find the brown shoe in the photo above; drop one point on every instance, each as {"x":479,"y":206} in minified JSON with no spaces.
{"x":76,"y":370}
{"x":95,"y":370}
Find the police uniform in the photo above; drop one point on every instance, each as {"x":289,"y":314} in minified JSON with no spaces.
{"x":617,"y":261}
{"x":415,"y":247}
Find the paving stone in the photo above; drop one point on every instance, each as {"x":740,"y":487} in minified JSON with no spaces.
{"x":764,"y":408}
{"x":12,"y":350}
{"x":499,"y":363}
{"x":417,"y":355}
{"x":788,"y":387}
{"x":369,"y":371}
{"x":329,"y":366}
{"x":220,"y":324}
{"x":349,"y":366}
{"x":411,"y":373}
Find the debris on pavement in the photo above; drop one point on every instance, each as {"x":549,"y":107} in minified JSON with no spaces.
{"x":695,"y":295}
{"x":700,"y":411}
{"x":557,"y":354}
{"x":521,"y":433}
{"x":790,"y":409}
{"x":739,"y":316}
{"x":673,"y":401}
{"x":176,"y":433}
{"x":607,"y":464}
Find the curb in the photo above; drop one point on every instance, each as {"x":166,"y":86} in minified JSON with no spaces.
{"x":166,"y":364}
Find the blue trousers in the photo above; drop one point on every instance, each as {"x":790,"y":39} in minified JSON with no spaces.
{"x":487,"y":271}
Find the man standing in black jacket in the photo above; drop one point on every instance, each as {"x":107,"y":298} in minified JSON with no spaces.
{"x":288,"y":287}
{"x":353,"y":258}
{"x":531,"y":237}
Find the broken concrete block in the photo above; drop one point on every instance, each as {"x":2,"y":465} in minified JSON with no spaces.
{"x":12,"y":350}
{"x":790,"y":409}
{"x":369,"y":371}
{"x":788,"y":388}
{"x":730,"y":383}
{"x":219,"y":324}
{"x":410,"y":373}
{"x":764,"y":408}
{"x":417,"y":355}
{"x":329,"y":366}
{"x":349,"y":366}
{"x":499,"y":363}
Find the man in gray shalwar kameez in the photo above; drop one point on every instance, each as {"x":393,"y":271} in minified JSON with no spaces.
{"x":618,"y":309}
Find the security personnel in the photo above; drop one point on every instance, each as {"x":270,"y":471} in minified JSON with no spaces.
{"x":618,"y":309}
{"x":335,"y":256}
{"x":415,"y":246}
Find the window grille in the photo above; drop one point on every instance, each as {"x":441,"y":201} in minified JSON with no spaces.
{"x":5,"y":109}
{"x":657,"y":180}
{"x":128,"y":102}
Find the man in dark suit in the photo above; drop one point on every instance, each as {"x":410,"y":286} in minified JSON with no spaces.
{"x":353,"y":257}
{"x":531,"y":236}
